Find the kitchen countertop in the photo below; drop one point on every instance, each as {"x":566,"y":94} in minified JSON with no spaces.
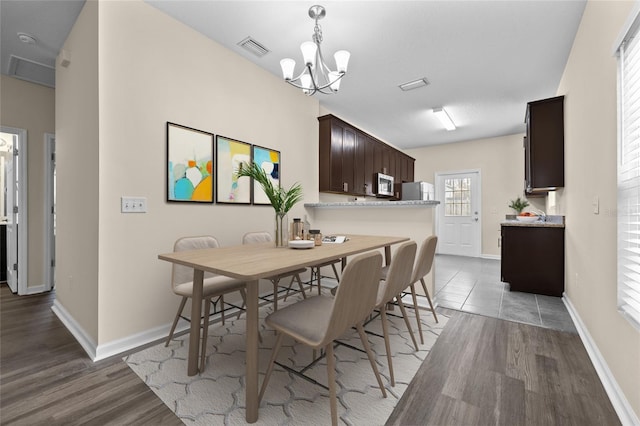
{"x":551,"y":222}
{"x":381,"y":203}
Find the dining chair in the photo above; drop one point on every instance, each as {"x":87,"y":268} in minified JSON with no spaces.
{"x":422,"y":267}
{"x":398,"y":278}
{"x":213,"y":286}
{"x":319,"y":320}
{"x":264,"y":237}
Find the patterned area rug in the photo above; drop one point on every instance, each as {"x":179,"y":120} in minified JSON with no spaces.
{"x":217,"y":396}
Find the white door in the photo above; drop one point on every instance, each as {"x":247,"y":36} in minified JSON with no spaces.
{"x":15,"y":192}
{"x":11,"y":175}
{"x":458,"y":214}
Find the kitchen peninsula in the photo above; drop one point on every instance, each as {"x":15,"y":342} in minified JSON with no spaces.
{"x":335,"y":216}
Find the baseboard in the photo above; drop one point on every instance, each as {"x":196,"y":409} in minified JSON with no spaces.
{"x":37,"y":289}
{"x":618,"y":399}
{"x":134,"y":341}
{"x":490,"y":256}
{"x":76,"y":330}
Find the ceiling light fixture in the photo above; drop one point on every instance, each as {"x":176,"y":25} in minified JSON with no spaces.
{"x":415,"y":84}
{"x":27,"y":38}
{"x":316,"y":75}
{"x":444,"y":118}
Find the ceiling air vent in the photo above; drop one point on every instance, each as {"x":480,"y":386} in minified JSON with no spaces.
{"x":35,"y":72}
{"x":254,"y":47}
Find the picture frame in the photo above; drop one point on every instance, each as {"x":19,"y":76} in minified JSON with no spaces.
{"x":189,"y":165}
{"x":269,"y":160}
{"x":230,"y":189}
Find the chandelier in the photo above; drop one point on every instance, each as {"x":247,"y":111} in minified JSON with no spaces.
{"x":316,"y":76}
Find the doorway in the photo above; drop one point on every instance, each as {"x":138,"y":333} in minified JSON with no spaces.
{"x":13,"y":213}
{"x":458,"y":218}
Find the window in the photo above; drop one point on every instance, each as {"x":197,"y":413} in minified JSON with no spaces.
{"x":457,"y":197}
{"x":629,"y":176}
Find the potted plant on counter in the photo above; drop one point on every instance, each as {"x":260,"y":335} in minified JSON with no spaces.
{"x":518,"y":205}
{"x":282,"y":200}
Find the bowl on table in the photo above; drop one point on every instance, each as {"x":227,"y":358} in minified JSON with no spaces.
{"x":530,"y":218}
{"x":301,"y":244}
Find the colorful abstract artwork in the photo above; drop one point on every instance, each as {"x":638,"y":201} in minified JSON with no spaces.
{"x":269,"y":160}
{"x":230,"y":154}
{"x":189,"y":164}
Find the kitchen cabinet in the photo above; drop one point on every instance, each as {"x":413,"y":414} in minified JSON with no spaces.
{"x":349,"y":158}
{"x":544,"y":145}
{"x":532,"y":259}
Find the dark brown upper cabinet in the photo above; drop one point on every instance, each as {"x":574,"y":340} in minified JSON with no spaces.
{"x":349,"y":158}
{"x":544,"y":146}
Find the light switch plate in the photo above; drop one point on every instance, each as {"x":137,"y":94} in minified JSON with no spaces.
{"x":133,"y":204}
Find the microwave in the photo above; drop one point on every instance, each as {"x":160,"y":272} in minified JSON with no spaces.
{"x":383,"y":185}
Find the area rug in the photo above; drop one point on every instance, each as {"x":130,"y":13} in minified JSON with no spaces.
{"x":217,"y":395}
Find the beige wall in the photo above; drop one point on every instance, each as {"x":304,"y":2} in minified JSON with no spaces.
{"x":77,"y":151}
{"x":30,"y":107}
{"x":589,"y":86}
{"x":152,"y":69}
{"x":502,"y":176}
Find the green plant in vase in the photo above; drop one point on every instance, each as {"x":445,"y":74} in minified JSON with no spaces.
{"x":282,"y":200}
{"x":518,"y":205}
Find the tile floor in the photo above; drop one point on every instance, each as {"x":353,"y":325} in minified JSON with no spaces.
{"x":473,"y":285}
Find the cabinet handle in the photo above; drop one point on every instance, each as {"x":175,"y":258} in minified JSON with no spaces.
{"x":345,"y":187}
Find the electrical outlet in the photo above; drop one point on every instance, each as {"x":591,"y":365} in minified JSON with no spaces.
{"x":133,"y":204}
{"x":596,"y":205}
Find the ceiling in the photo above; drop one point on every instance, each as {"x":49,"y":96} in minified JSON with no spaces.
{"x":484,"y":60}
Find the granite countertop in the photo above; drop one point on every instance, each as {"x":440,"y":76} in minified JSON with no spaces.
{"x":376,"y":204}
{"x":551,"y":222}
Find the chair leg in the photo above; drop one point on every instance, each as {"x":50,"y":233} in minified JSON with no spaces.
{"x":416,"y":309}
{"x":372,"y":360}
{"x":295,"y":277}
{"x":387,"y":345}
{"x":275,"y":294}
{"x":222,"y":307}
{"x":205,"y":333}
{"x":243,"y":293}
{"x":406,"y":321}
{"x":175,"y":320}
{"x":267,"y":376}
{"x":335,"y":272}
{"x":331,"y":373}
{"x":319,"y":283}
{"x":433,"y":311}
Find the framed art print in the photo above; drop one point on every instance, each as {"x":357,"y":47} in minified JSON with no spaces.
{"x":269,"y":161}
{"x":189,"y":164}
{"x":230,"y":154}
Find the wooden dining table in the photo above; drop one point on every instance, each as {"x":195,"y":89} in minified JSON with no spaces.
{"x":250,"y":263}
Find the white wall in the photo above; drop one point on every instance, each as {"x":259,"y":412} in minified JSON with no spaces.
{"x":153,"y":69}
{"x":589,"y":86}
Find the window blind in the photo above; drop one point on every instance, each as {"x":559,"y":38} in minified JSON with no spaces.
{"x":629,"y":178}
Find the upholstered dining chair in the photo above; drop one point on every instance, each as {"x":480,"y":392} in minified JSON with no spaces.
{"x":398,"y":278}
{"x":422,"y":267}
{"x":319,"y":320}
{"x":213,"y":286}
{"x":264,"y":237}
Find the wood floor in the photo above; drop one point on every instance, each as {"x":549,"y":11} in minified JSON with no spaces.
{"x":488,"y":371}
{"x":481,"y":371}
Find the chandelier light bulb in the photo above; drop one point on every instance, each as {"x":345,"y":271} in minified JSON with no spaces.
{"x":305,"y":80}
{"x":287,"y":65}
{"x":342,"y":60}
{"x":309,"y":50}
{"x":335,"y":79}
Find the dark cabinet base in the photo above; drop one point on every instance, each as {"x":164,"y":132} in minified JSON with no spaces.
{"x":3,"y":253}
{"x":533,"y":259}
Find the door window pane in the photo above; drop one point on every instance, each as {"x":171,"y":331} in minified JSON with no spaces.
{"x":457,"y":197}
